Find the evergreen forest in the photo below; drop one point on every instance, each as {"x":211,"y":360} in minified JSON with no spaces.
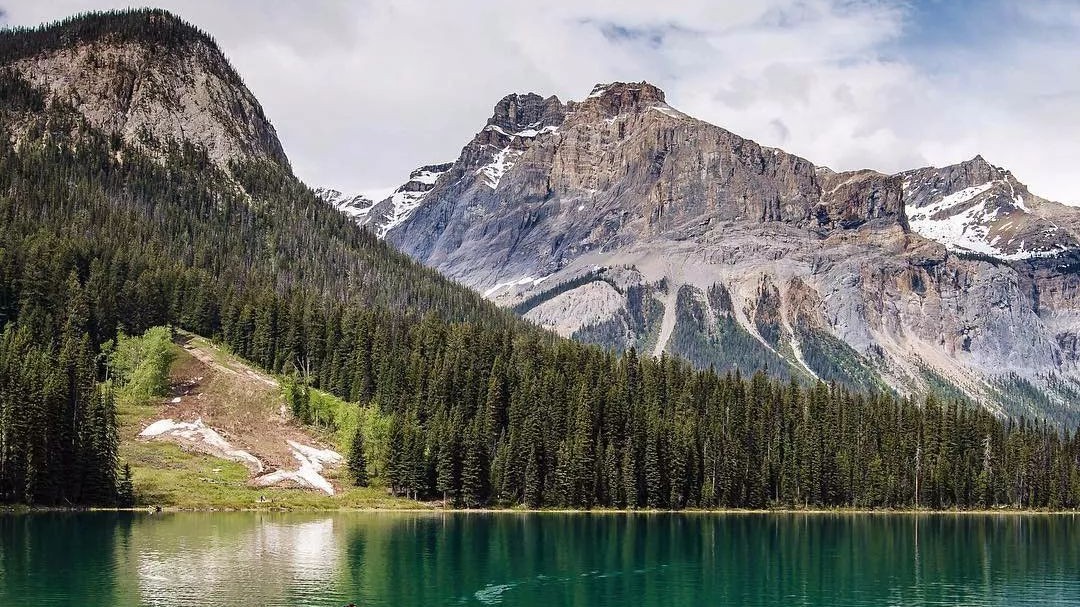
{"x":101,"y":240}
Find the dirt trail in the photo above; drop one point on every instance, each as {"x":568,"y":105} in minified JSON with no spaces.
{"x":222,"y":407}
{"x":236,"y":368}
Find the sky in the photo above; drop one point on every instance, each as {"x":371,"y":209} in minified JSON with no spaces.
{"x":361,"y":92}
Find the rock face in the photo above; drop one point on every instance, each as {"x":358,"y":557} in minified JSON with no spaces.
{"x":148,"y":77}
{"x":622,"y":221}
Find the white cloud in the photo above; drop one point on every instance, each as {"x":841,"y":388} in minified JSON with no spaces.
{"x":362,"y":92}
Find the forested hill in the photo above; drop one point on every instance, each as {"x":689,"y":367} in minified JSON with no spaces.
{"x":102,"y":232}
{"x":107,"y":231}
{"x":148,"y":78}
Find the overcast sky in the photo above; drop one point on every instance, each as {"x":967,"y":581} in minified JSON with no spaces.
{"x":362,"y":92}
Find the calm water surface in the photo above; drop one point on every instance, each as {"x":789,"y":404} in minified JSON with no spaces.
{"x":405,"y":559}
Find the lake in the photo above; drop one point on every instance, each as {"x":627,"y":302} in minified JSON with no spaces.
{"x":432,"y":559}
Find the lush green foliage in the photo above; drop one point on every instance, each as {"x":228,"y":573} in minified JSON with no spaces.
{"x":357,"y":459}
{"x":58,"y":438}
{"x":722,"y":343}
{"x":140,"y":365}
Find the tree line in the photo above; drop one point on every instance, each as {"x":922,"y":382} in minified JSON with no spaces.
{"x":480,"y":418}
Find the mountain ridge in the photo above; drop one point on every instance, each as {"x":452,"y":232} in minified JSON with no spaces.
{"x":905,"y":278}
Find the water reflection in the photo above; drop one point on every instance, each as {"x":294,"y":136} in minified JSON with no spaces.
{"x":229,"y":559}
{"x":550,"y":559}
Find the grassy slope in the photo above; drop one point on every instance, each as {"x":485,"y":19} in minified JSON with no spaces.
{"x":167,"y":475}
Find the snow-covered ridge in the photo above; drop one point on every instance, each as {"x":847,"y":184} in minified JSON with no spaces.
{"x":598,"y":91}
{"x":425,"y":175}
{"x":529,"y":132}
{"x":964,"y":220}
{"x":353,"y":205}
{"x":667,"y":110}
{"x":385,"y":209}
{"x":408,"y":197}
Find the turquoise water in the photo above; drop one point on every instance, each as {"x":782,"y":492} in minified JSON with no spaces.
{"x":404,"y":559}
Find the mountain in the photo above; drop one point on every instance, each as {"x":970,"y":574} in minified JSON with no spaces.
{"x":622,"y":221}
{"x":114,"y":223}
{"x":380,"y":213}
{"x":353,"y":205}
{"x":975,"y":207}
{"x":108,"y":234}
{"x":148,"y":78}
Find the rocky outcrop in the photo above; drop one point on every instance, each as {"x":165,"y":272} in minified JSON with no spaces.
{"x":853,"y":276}
{"x":148,"y":77}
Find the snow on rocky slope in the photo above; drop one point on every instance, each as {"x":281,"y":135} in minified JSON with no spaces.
{"x":382,"y":211}
{"x":975,"y":207}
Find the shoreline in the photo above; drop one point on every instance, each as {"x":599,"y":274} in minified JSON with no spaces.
{"x":595,"y":511}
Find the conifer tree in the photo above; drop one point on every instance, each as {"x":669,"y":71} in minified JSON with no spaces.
{"x":357,"y":460}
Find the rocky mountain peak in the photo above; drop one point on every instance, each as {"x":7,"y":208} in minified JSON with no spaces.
{"x":624,"y":97}
{"x":978,"y":170}
{"x":148,"y":77}
{"x":629,"y":223}
{"x":382,"y":211}
{"x":951,"y":179}
{"x":974,"y":207}
{"x":517,"y":112}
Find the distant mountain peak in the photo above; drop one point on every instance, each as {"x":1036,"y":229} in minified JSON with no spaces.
{"x":974,"y":207}
{"x":379,"y":212}
{"x":620,"y":220}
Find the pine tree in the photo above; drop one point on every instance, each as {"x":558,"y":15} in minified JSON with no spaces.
{"x":474,"y":489}
{"x":357,"y":461}
{"x":126,"y":489}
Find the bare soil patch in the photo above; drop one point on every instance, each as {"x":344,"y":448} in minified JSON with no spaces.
{"x":242,"y":404}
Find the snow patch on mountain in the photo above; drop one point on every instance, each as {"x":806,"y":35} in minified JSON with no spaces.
{"x":382,"y":210}
{"x":426,"y":175}
{"x":502,"y":162}
{"x":504,"y":159}
{"x":529,"y":132}
{"x":667,"y":110}
{"x":598,"y":91}
{"x":408,"y":197}
{"x":403,"y":204}
{"x":353,"y":205}
{"x":963,"y":221}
